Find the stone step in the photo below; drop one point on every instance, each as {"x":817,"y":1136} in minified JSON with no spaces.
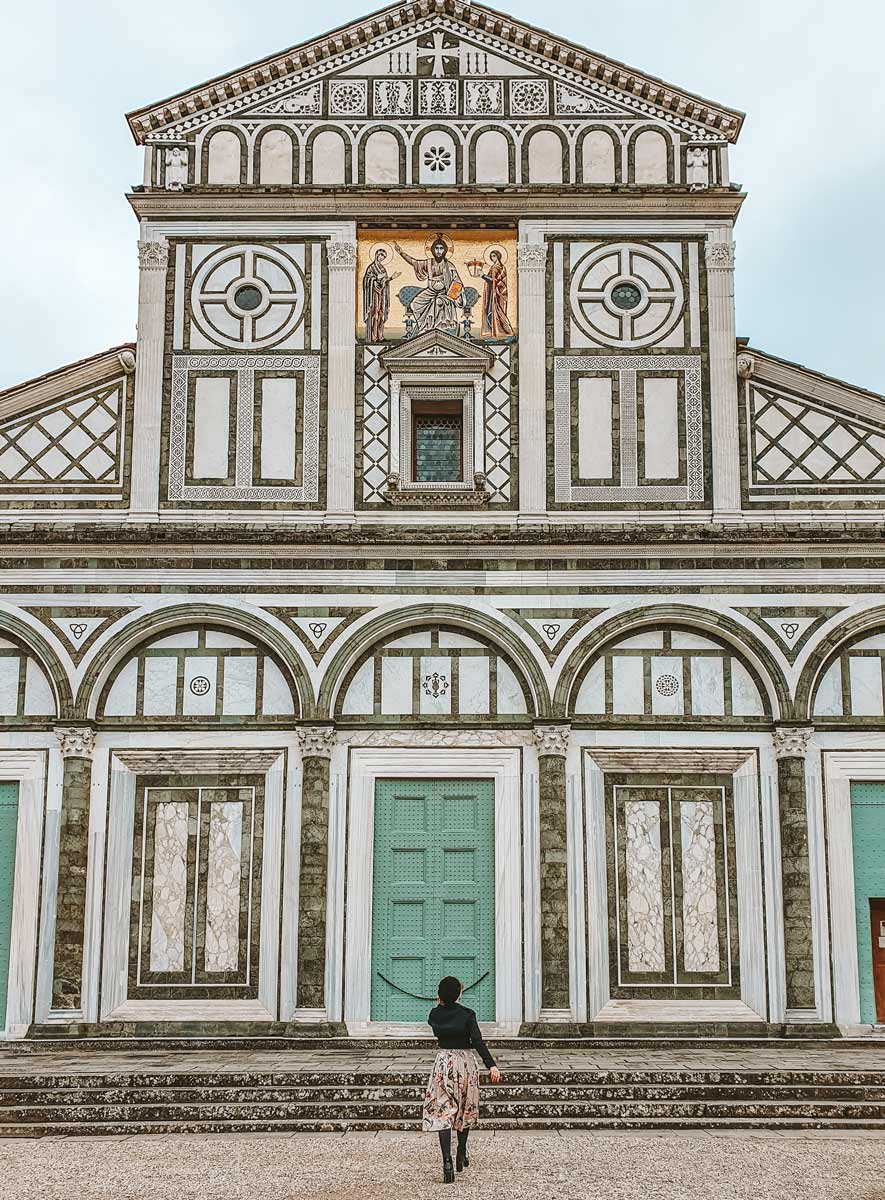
{"x":136,"y":1114}
{"x":343,"y":1125}
{"x":416,"y":1078}
{"x":547,"y":1093}
{"x":160,"y":1038}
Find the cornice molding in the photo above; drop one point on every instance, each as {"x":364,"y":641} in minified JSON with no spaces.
{"x":460,"y":204}
{"x":340,"y":49}
{"x":66,"y":381}
{"x":808,"y":385}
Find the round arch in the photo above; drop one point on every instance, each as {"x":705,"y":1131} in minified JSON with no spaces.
{"x":831,"y":645}
{"x":363,"y":139}
{"x":347,"y":145}
{"x":34,"y":641}
{"x":472,"y":141}
{"x":742,"y":640}
{"x":425,"y":132}
{"x":180,"y":616}
{"x":390,"y":623}
{"x":257,"y":145}
{"x":528,"y":138}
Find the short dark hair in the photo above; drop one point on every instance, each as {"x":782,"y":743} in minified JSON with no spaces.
{"x":449,"y":989}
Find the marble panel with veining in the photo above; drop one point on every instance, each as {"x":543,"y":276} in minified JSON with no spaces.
{"x":224,"y":870}
{"x":169,"y":905}
{"x":644,"y":885}
{"x":700,"y":920}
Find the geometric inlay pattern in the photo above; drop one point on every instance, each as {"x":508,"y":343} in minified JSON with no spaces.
{"x":792,"y":627}
{"x":551,"y":629}
{"x":498,"y":422}
{"x":245,"y":367}
{"x":74,"y":442}
{"x":318,"y":628}
{"x":375,"y":425}
{"x":80,"y":627}
{"x":798,"y":442}
{"x":630,"y":490}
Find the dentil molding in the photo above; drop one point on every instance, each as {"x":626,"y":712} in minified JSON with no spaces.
{"x":76,"y":741}
{"x":791,"y":743}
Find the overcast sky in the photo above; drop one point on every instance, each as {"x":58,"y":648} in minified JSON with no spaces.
{"x":808,"y":74}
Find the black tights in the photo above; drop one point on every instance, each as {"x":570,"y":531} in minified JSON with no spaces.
{"x":445,"y":1141}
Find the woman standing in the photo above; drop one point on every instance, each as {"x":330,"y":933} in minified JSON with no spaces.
{"x":452,"y":1097}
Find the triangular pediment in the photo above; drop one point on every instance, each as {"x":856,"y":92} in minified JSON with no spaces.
{"x":436,"y":350}
{"x":446,"y":40}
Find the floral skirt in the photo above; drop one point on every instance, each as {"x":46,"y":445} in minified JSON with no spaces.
{"x":452,"y":1097}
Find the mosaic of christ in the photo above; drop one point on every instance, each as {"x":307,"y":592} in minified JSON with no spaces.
{"x":462,"y":283}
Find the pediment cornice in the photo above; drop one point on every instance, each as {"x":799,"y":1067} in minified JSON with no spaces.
{"x":438,"y":352}
{"x":267,"y":80}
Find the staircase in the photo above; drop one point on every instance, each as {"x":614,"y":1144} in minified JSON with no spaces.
{"x":34,"y":1104}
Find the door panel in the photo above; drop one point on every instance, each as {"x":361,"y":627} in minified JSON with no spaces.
{"x":8,"y":832}
{"x":877,"y":936}
{"x":434,"y":894}
{"x":868,"y":846}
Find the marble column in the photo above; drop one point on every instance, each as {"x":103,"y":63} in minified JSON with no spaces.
{"x":552,"y":743}
{"x":77,"y":743}
{"x":790,"y":747}
{"x":723,"y":379}
{"x":341,"y":418}
{"x":532,"y":265}
{"x":153,"y":261}
{"x":316,"y":751}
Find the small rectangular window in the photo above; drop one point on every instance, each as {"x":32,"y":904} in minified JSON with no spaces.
{"x":437,"y":443}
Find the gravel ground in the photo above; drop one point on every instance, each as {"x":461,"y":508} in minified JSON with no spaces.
{"x":573,"y":1165}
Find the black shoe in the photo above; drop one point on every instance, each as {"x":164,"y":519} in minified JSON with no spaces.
{"x":448,"y":1171}
{"x":462,"y":1162}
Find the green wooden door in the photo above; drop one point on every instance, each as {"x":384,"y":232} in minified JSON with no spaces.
{"x":868,"y":846}
{"x":434,"y":894}
{"x":8,"y":828}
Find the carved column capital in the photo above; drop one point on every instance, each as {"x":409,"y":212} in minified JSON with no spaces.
{"x":531,"y":256}
{"x":76,"y":741}
{"x":719,"y":256}
{"x":316,"y":741}
{"x":552,"y":739}
{"x":746,"y":364}
{"x":341,"y":256}
{"x":790,"y":742}
{"x":153,"y":256}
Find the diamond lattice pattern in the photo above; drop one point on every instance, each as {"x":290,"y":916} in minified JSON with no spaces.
{"x":796,"y":442}
{"x":77,"y":441}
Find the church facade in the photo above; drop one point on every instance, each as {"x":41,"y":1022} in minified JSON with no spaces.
{"x":438,"y":584}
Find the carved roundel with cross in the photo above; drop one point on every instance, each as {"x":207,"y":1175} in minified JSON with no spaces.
{"x":248,"y":297}
{"x":626,"y":295}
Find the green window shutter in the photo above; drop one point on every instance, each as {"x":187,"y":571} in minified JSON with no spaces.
{"x":433,"y":908}
{"x":868,"y":845}
{"x":8,"y":832}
